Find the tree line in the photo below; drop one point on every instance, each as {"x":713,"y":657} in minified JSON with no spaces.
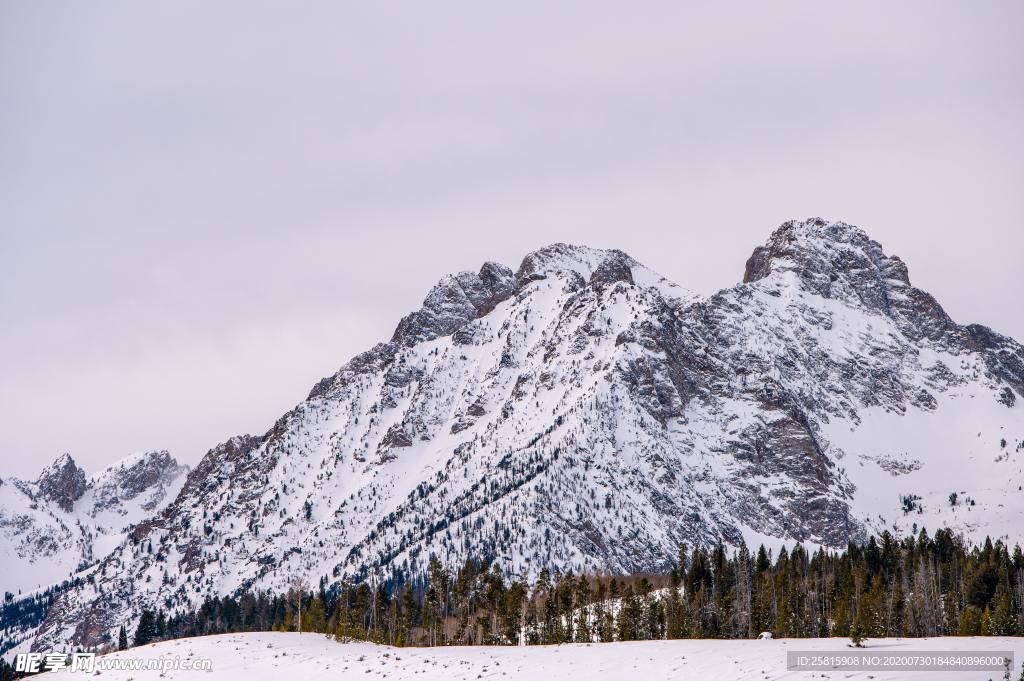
{"x":917,"y":586}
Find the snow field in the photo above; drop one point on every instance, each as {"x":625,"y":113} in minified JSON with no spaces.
{"x":276,"y":656}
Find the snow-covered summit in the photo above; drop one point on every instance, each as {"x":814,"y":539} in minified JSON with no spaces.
{"x":458,"y":299}
{"x":820,"y":250}
{"x":64,"y":520}
{"x":563,"y":258}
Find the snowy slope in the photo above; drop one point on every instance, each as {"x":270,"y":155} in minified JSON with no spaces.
{"x":64,"y":521}
{"x":271,"y":656}
{"x":583,"y":412}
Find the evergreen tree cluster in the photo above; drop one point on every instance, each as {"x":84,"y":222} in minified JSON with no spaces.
{"x":918,"y":586}
{"x":24,"y":613}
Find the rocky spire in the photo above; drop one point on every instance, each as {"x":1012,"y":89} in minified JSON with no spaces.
{"x":62,"y":482}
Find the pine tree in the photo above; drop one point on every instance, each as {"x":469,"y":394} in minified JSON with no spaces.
{"x":970,"y":621}
{"x":314,"y":617}
{"x":675,"y":614}
{"x":6,"y":671}
{"x":1004,"y":617}
{"x":857,"y":634}
{"x":629,"y":615}
{"x":122,"y":639}
{"x":864,"y":619}
{"x":146,"y":631}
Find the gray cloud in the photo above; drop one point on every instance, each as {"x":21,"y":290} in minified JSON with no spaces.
{"x":205,"y":208}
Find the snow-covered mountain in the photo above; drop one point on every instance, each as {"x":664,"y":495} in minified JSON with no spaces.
{"x":586,"y":413}
{"x":64,"y":521}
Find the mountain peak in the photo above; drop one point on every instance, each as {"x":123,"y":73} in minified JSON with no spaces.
{"x":62,"y":482}
{"x":458,"y":299}
{"x":152,"y":463}
{"x":593,"y":264}
{"x":157,"y":457}
{"x":146,"y":474}
{"x":835,"y":260}
{"x":820,"y":251}
{"x":62,"y":461}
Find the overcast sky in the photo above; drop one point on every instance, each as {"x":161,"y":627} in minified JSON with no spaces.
{"x":206,"y":207}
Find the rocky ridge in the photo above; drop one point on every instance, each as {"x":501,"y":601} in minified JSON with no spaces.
{"x":64,"y":521}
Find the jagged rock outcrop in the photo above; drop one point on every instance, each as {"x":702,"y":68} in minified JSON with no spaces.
{"x":62,"y":483}
{"x":454,"y":301}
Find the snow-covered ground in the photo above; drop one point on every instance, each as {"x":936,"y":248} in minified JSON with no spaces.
{"x":275,"y":656}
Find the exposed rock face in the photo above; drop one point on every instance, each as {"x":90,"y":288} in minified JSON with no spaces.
{"x":1004,"y":358}
{"x":456,"y":300}
{"x":588,"y":414}
{"x":837,"y":261}
{"x":62,"y":482}
{"x":147,"y":478}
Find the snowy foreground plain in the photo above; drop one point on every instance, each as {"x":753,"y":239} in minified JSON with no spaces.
{"x":278,"y":656}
